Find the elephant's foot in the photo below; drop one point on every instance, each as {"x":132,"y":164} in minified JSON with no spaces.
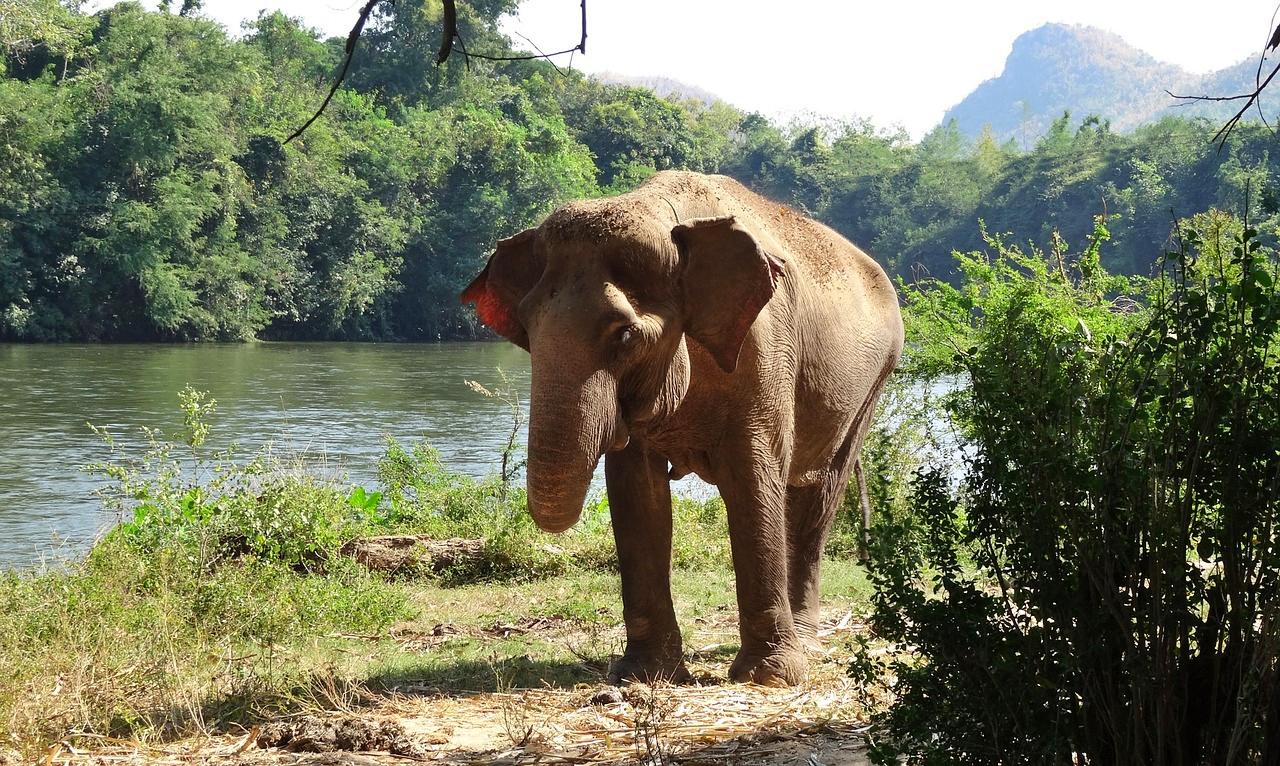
{"x":807,"y":635}
{"x":648,"y":668}
{"x":778,"y":667}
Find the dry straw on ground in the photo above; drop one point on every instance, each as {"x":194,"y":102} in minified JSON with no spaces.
{"x":649,"y":724}
{"x":708,"y":722}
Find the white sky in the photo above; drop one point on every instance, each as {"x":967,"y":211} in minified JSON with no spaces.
{"x":899,"y":62}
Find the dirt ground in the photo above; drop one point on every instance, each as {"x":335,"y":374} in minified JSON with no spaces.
{"x":708,"y":722}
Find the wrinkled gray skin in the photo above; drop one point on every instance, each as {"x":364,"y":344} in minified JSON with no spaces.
{"x":691,"y":326}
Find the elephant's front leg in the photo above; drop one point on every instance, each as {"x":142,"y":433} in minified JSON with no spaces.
{"x":771,"y":652}
{"x":640,"y":505}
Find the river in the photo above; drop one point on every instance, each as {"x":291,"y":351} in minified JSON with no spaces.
{"x":335,"y":400}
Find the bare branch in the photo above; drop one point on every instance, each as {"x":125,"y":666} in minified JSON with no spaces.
{"x":346,"y":64}
{"x":525,"y":57}
{"x":581,"y":47}
{"x":448,"y":35}
{"x":1250,"y":99}
{"x":534,"y":45}
{"x":1207,"y":98}
{"x":1225,"y":131}
{"x":449,"y":32}
{"x":1257,"y":76}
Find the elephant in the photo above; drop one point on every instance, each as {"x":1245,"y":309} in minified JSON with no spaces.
{"x":692,"y":326}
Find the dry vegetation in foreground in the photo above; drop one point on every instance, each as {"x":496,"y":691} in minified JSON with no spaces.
{"x":506,"y":674}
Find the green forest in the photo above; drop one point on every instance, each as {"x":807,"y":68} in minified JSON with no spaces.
{"x":146,"y":194}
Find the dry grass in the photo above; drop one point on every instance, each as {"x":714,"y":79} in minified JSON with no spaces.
{"x":506,"y":673}
{"x":482,"y":673}
{"x":709,"y":721}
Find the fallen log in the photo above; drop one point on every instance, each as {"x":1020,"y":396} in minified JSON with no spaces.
{"x":414,"y":554}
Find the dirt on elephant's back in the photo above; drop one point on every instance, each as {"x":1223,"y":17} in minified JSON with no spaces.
{"x":824,"y":251}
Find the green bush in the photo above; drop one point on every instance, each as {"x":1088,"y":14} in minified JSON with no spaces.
{"x":423,"y":497}
{"x":1097,"y":578}
{"x":215,"y":508}
{"x":209,"y":510}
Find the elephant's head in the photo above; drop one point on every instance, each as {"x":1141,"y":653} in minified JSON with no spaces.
{"x":602,"y":297}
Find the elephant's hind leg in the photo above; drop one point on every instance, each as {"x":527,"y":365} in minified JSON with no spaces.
{"x":640,"y":506}
{"x":810,"y":511}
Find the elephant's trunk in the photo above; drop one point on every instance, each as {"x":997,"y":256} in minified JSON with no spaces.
{"x":570,"y":425}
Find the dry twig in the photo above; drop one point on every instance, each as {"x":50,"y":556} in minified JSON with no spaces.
{"x":449,"y":34}
{"x":1250,"y":99}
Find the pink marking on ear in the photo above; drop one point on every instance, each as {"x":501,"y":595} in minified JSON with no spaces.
{"x":491,"y":309}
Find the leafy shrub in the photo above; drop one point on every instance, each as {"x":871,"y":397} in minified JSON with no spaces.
{"x":214,"y":508}
{"x":424,"y":497}
{"x":700,"y":534}
{"x":1100,"y":581}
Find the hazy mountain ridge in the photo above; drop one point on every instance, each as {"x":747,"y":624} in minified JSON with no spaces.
{"x":1086,"y":70}
{"x":665,"y":87}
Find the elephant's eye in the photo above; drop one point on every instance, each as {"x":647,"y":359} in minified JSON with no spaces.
{"x":628,"y":334}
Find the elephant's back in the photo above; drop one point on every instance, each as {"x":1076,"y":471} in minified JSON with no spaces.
{"x":826,"y":269}
{"x":826,"y":261}
{"x":825,"y":255}
{"x":843,"y":329}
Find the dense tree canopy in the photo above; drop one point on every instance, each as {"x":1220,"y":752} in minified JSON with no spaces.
{"x":145,"y":193}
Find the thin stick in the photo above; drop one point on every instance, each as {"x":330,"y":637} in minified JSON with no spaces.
{"x":346,"y":64}
{"x":1249,"y":98}
{"x":540,"y":53}
{"x":447,"y":36}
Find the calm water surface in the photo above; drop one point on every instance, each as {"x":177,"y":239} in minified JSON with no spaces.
{"x":334,"y":399}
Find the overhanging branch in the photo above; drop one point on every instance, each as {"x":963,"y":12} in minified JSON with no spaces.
{"x":346,"y":64}
{"x":1250,"y":99}
{"x":449,"y":34}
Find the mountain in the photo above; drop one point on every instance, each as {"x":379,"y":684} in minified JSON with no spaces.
{"x":663,"y":86}
{"x":1085,"y":70}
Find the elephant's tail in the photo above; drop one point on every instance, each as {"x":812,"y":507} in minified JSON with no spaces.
{"x":863,"y":419}
{"x":864,"y":548}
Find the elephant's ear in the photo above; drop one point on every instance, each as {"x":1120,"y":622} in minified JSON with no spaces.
{"x":728,"y":277}
{"x":512,"y":271}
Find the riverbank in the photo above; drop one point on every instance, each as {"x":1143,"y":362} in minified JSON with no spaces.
{"x":334,"y":402}
{"x":223,"y":603}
